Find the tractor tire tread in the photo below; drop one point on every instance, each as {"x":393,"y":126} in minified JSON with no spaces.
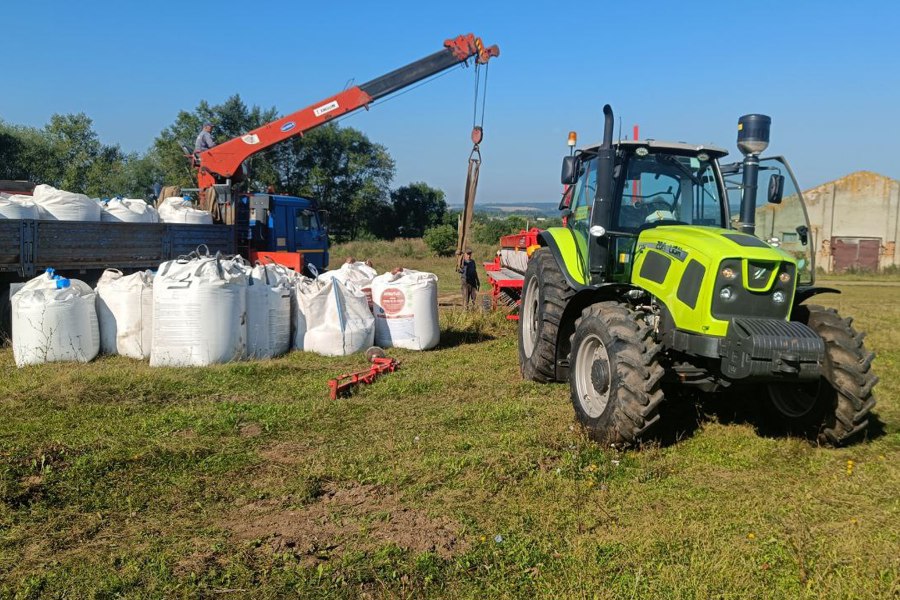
{"x":638,"y":393}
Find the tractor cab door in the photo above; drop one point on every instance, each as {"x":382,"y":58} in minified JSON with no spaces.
{"x":784,"y":225}
{"x":581,"y":203}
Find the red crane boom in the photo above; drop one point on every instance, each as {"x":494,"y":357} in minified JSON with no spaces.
{"x":220,"y":163}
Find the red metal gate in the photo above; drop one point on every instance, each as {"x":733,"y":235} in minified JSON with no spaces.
{"x":855,"y":253}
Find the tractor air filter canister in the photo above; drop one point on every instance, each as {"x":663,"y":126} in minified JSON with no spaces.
{"x":753,"y":134}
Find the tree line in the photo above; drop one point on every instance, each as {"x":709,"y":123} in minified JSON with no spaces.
{"x":340,"y":167}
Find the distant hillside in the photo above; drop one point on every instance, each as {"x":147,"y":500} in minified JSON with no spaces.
{"x":525,"y":209}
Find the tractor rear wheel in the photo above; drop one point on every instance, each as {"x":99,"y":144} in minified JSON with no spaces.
{"x":543,"y":302}
{"x":614,"y":374}
{"x":834,"y":409}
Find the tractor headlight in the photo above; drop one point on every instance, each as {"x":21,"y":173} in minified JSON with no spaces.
{"x":728,"y":273}
{"x":726,"y":293}
{"x":778,"y":297}
{"x":784,"y":277}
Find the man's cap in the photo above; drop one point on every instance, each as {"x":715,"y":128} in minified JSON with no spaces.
{"x":468,"y":251}
{"x":207,"y":124}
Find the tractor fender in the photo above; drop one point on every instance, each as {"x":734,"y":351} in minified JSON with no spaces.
{"x":564,"y":248}
{"x":805,"y":293}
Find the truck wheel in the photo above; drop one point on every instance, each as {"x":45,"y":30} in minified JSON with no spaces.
{"x":543,"y":303}
{"x":614,"y":374}
{"x":835,"y":408}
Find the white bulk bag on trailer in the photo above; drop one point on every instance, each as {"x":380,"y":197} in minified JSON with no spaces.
{"x":338,"y":320}
{"x":406,"y":310}
{"x":199,"y":313}
{"x":125,"y":312}
{"x":357,"y":273}
{"x":178,"y":210}
{"x":129,"y":210}
{"x":65,"y":206}
{"x":54,"y":319}
{"x":268,"y":312}
{"x":18,"y":207}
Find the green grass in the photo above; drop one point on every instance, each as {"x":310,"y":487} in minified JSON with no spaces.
{"x":245,"y":480}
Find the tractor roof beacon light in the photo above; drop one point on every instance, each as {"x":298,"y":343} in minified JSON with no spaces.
{"x":753,"y":138}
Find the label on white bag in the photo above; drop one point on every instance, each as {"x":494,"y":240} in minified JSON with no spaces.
{"x":393,"y":300}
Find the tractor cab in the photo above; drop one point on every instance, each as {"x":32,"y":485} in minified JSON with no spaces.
{"x":655,"y":184}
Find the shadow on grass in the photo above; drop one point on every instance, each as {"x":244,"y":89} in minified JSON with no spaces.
{"x":452,"y":338}
{"x":686,"y":411}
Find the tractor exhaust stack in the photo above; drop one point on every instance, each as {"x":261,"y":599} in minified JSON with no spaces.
{"x":606,"y":159}
{"x":753,"y":139}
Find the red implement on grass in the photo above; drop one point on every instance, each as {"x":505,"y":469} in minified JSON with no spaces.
{"x":343,"y":385}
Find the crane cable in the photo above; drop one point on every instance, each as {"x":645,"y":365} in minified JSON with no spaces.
{"x":465,"y":219}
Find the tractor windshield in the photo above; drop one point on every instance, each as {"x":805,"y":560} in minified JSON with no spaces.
{"x":783,"y":225}
{"x":670,"y":187}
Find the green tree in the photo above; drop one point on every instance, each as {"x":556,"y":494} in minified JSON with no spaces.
{"x":441,"y":240}
{"x":25,"y":154}
{"x":486,"y":230}
{"x":348,"y":174}
{"x":230,"y":119}
{"x":417,"y":207}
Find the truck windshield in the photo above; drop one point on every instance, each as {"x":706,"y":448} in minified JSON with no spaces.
{"x":669,"y":187}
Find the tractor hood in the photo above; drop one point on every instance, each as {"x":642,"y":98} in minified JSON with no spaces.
{"x":707,"y":276}
{"x":713,"y":241}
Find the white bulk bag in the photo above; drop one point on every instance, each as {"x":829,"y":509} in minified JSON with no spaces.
{"x":54,"y":319}
{"x":406,"y":310}
{"x":268,"y":312}
{"x":18,"y":207}
{"x":129,"y":210}
{"x":125,"y":312}
{"x":301,"y":289}
{"x":199,"y":313}
{"x":178,"y":210}
{"x":65,"y":206}
{"x":338,"y":320}
{"x":357,"y":273}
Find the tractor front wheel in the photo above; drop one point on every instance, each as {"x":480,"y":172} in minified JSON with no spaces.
{"x":544,"y":300}
{"x":834,"y":409}
{"x":614,"y":374}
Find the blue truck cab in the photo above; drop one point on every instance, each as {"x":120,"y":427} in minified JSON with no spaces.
{"x":282,"y":226}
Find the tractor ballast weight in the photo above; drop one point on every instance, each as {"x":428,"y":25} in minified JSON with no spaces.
{"x":652,"y":283}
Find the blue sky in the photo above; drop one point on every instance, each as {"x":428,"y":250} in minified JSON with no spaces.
{"x":826,"y":72}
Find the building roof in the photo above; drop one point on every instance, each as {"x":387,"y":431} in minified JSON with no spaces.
{"x":856,"y":181}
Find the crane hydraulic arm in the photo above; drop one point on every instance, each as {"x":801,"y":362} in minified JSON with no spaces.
{"x":221,"y":162}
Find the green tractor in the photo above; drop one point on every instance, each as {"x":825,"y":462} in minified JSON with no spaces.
{"x":674,"y":270}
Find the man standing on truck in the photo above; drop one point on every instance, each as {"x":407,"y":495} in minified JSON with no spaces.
{"x":468,"y":276}
{"x":204,"y":139}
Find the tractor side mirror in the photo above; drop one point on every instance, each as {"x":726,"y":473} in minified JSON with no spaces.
{"x":569,"y":170}
{"x":776,"y":189}
{"x":323,"y":218}
{"x":803,"y":234}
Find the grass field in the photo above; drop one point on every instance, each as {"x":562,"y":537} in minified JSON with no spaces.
{"x":451,"y":478}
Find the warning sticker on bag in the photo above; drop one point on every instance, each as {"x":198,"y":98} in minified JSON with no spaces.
{"x":392,"y":301}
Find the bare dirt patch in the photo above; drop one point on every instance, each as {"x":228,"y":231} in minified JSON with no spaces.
{"x":361,"y":517}
{"x":250,"y":430}
{"x":287,"y":453}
